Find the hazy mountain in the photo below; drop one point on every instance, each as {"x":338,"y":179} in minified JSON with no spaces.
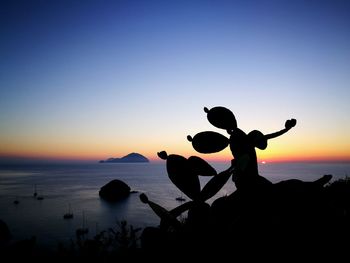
{"x":130,"y":158}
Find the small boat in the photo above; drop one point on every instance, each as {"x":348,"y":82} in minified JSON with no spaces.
{"x":69,"y":214}
{"x":35,"y":192}
{"x":180,"y":199}
{"x":16,"y":202}
{"x":40,"y":197}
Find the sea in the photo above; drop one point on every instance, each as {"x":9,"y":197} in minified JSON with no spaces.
{"x":76,"y":186}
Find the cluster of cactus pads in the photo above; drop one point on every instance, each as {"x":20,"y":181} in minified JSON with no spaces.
{"x":288,"y":212}
{"x":184,"y":173}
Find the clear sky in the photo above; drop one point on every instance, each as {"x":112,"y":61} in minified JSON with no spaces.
{"x":98,"y":79}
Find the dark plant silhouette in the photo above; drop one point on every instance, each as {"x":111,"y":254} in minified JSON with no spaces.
{"x":108,"y":245}
{"x":242,"y":145}
{"x":184,"y":174}
{"x":292,"y":213}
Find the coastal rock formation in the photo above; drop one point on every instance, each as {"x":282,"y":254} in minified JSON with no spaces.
{"x":114,"y":191}
{"x":130,"y":158}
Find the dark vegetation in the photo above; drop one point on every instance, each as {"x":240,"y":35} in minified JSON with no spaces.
{"x":290,"y":218}
{"x":118,"y":242}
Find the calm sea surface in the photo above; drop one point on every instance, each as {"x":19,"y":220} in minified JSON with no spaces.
{"x":77,"y":185}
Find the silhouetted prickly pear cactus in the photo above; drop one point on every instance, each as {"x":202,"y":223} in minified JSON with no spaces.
{"x":221,"y":117}
{"x":184,"y":174}
{"x":257,"y":208}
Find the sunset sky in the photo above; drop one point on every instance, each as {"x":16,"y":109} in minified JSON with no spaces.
{"x":89,"y":80}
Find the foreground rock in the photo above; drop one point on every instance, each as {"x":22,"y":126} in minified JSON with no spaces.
{"x":114,"y":191}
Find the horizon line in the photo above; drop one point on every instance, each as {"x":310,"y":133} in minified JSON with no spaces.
{"x":25,"y":159}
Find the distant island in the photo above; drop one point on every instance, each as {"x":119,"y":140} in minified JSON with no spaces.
{"x":130,"y":158}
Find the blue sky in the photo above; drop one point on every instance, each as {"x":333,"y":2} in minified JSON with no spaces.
{"x":94,"y":78}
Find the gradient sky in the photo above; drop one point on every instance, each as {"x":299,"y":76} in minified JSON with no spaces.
{"x":96,"y":79}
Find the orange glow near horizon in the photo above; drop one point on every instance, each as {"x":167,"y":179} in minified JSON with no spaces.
{"x":93,"y":149}
{"x":152,"y":156}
